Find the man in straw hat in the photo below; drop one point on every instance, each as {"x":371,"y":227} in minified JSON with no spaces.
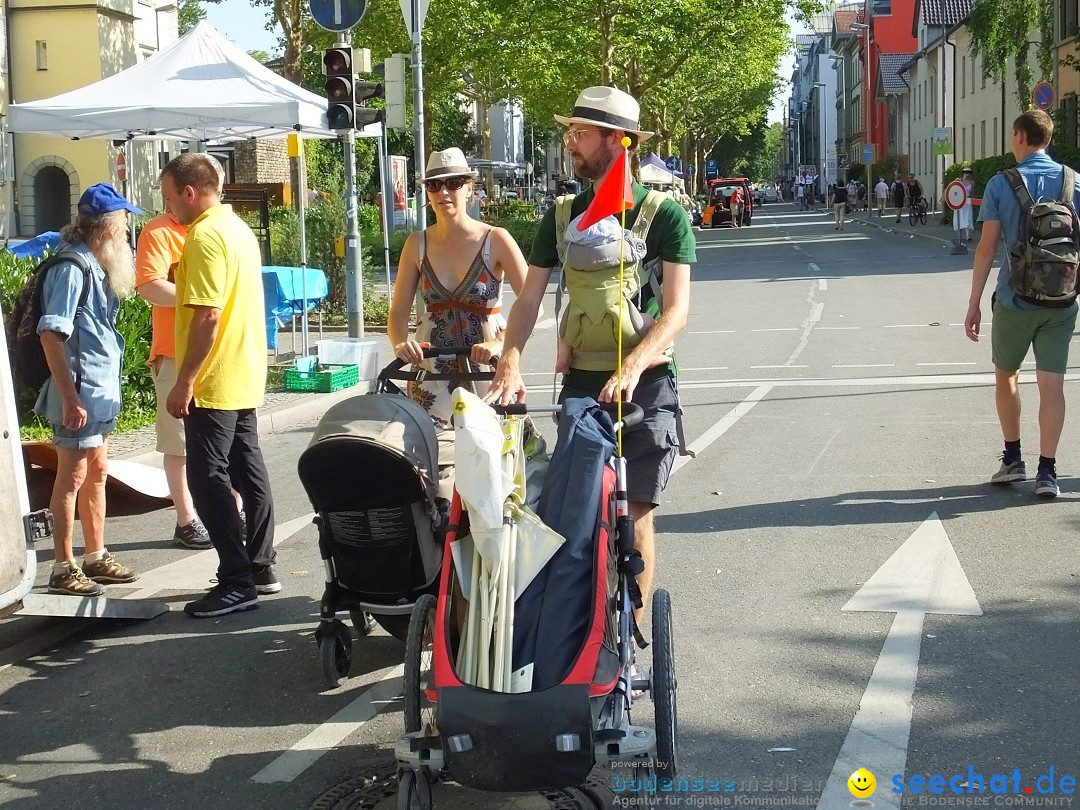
{"x":602,"y":116}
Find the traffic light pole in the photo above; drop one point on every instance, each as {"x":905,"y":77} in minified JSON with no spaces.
{"x":354,"y":269}
{"x":420,"y":155}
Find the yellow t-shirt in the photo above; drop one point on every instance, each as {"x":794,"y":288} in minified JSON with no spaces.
{"x":221,"y":267}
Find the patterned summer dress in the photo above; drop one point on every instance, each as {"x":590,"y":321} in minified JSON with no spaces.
{"x":465,"y":316}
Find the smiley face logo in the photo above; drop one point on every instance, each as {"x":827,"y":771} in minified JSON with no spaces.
{"x":861,"y":783}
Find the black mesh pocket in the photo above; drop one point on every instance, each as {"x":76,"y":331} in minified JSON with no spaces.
{"x":375,"y":551}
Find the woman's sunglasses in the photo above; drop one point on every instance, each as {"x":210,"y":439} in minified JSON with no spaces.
{"x":451,"y":183}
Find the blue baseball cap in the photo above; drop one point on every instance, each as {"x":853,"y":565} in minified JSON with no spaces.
{"x":103,"y":199}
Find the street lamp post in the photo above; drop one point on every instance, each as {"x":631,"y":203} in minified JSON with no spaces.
{"x":865,"y":96}
{"x":838,"y":59}
{"x":824,"y":157}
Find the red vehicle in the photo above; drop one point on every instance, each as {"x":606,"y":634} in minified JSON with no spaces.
{"x":718,"y":211}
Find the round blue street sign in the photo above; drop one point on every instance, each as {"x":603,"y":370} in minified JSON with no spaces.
{"x":1044,"y":95}
{"x":690,"y":168}
{"x":337,"y":15}
{"x":672,"y":163}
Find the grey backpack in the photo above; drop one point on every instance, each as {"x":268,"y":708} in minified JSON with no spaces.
{"x":1044,"y":260}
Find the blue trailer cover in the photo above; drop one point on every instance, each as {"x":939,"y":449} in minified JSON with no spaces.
{"x":551,"y":618}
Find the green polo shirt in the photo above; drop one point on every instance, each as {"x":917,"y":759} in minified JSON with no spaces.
{"x":671,"y":237}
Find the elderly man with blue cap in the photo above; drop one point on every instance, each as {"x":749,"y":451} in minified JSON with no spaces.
{"x":81,"y":399}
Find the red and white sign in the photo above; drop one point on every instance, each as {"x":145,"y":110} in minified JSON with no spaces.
{"x":956,"y":195}
{"x":121,"y":167}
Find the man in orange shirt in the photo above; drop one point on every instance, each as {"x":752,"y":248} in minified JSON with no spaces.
{"x":736,"y":203}
{"x":159,"y":248}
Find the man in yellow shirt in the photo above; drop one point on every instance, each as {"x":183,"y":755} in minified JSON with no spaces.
{"x":220,"y":380}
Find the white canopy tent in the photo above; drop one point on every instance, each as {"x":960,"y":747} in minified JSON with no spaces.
{"x":199,"y":88}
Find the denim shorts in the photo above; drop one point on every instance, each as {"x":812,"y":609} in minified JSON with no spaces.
{"x":89,"y":436}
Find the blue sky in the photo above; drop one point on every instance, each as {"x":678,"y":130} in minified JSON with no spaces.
{"x":242,"y":24}
{"x":245,"y":26}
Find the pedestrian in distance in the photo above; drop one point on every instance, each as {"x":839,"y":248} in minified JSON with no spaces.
{"x":735,"y":202}
{"x":1023,"y":316}
{"x":838,"y":198}
{"x":964,"y":215}
{"x":602,"y":117}
{"x":81,"y":398}
{"x":220,"y":381}
{"x":881,"y":196}
{"x":157,"y":254}
{"x":800,"y":195}
{"x":899,"y":194}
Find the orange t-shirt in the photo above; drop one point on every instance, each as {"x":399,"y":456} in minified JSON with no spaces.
{"x":160,"y":246}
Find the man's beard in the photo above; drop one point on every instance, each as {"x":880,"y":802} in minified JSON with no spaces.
{"x":594,"y":166}
{"x":118,"y":262}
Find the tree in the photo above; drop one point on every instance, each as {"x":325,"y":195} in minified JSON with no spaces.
{"x":189,"y":12}
{"x":1002,"y":31}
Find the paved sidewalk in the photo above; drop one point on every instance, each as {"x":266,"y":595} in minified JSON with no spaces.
{"x":933,"y":230}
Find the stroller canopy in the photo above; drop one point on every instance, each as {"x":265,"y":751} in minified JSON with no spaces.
{"x":391,"y":421}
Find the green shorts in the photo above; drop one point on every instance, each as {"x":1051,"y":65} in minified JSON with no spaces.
{"x":1048,"y":331}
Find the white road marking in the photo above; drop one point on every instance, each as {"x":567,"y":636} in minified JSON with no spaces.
{"x":720,"y":428}
{"x":864,"y":365}
{"x":807,"y":327}
{"x":704,"y":368}
{"x":905,"y":326}
{"x":946,"y":364}
{"x":822,"y":284}
{"x":817,"y":458}
{"x":852,"y":382}
{"x":714,"y":332}
{"x":839,"y":328}
{"x":783,"y":366}
{"x":814,"y":268}
{"x":547,"y":323}
{"x":778,"y":329}
{"x":306,"y":752}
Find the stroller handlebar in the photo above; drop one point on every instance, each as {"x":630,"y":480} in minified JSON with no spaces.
{"x":393,"y":371}
{"x":632,"y":412}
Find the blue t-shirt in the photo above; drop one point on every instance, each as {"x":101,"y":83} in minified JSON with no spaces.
{"x":1043,"y":178}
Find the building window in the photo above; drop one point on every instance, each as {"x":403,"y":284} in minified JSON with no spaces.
{"x":882,"y":7}
{"x":982,"y":72}
{"x":1068,"y":114}
{"x":42,"y":51}
{"x":982,"y":138}
{"x":963,"y":76}
{"x":996,"y":130}
{"x":963,"y":143}
{"x":1067,"y":19}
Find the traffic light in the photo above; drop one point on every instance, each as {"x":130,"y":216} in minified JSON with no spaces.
{"x":345,"y":94}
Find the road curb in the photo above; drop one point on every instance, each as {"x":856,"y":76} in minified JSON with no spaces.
{"x":920,"y":235}
{"x":278,"y":419}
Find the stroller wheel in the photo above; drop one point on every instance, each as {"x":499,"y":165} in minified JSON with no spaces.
{"x":414,"y":793}
{"x":362,"y":622}
{"x":645,"y":777}
{"x":335,"y":655}
{"x":664,"y":687}
{"x":419,"y":711}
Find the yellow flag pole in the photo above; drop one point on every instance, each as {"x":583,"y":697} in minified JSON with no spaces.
{"x":622,"y":248}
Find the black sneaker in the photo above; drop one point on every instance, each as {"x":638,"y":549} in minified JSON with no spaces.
{"x":266,"y":582}
{"x":193,"y":535}
{"x":1046,"y":485}
{"x":223,"y":599}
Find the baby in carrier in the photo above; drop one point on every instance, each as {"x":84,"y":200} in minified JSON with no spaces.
{"x":595,"y":299}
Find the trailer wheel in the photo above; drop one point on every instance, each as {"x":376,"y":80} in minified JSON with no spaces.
{"x":414,"y":793}
{"x":419,"y":665}
{"x":664,"y":687}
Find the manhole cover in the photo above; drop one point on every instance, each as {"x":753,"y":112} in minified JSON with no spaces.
{"x":377,"y":790}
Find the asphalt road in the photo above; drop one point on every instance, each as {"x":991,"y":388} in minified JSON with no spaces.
{"x":839,"y":415}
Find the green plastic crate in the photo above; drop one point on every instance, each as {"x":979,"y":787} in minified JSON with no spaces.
{"x":325,"y":381}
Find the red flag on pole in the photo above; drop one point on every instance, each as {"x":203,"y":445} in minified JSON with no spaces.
{"x":614,"y":195}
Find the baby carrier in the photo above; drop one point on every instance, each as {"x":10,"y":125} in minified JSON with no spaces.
{"x":590,"y":324}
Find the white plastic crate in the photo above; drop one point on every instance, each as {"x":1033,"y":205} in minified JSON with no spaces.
{"x":361,"y":353}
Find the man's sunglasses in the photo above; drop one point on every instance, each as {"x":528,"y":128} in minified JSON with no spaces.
{"x":451,"y":183}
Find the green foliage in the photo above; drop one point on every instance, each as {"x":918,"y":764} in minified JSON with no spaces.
{"x":376,"y":308}
{"x":523,"y":231}
{"x":189,"y":12}
{"x":134,"y":324}
{"x":1003,"y":31}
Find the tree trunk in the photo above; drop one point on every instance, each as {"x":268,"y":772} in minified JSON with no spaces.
{"x":287,"y":15}
{"x":607,"y":47}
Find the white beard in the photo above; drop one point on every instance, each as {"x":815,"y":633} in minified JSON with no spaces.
{"x":118,"y":262}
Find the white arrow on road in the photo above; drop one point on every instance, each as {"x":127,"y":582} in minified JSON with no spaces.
{"x":922,"y":576}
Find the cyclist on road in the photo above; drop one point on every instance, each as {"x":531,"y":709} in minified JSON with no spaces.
{"x":914,"y":193}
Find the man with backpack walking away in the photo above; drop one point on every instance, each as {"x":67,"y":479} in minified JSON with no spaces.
{"x":1034,"y":303}
{"x":839,"y":201}
{"x":80,"y":299}
{"x":602,"y":116}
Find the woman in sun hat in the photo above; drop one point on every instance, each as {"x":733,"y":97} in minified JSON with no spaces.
{"x":459,"y":265}
{"x":965,"y":215}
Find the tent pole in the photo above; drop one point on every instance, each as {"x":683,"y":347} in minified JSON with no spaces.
{"x":386,"y":203}
{"x":301,"y":179}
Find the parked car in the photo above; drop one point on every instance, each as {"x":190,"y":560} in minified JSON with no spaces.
{"x":718,"y":211}
{"x":771,"y":194}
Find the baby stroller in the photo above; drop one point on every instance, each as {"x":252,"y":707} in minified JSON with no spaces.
{"x":372,"y":473}
{"x":573,"y":633}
